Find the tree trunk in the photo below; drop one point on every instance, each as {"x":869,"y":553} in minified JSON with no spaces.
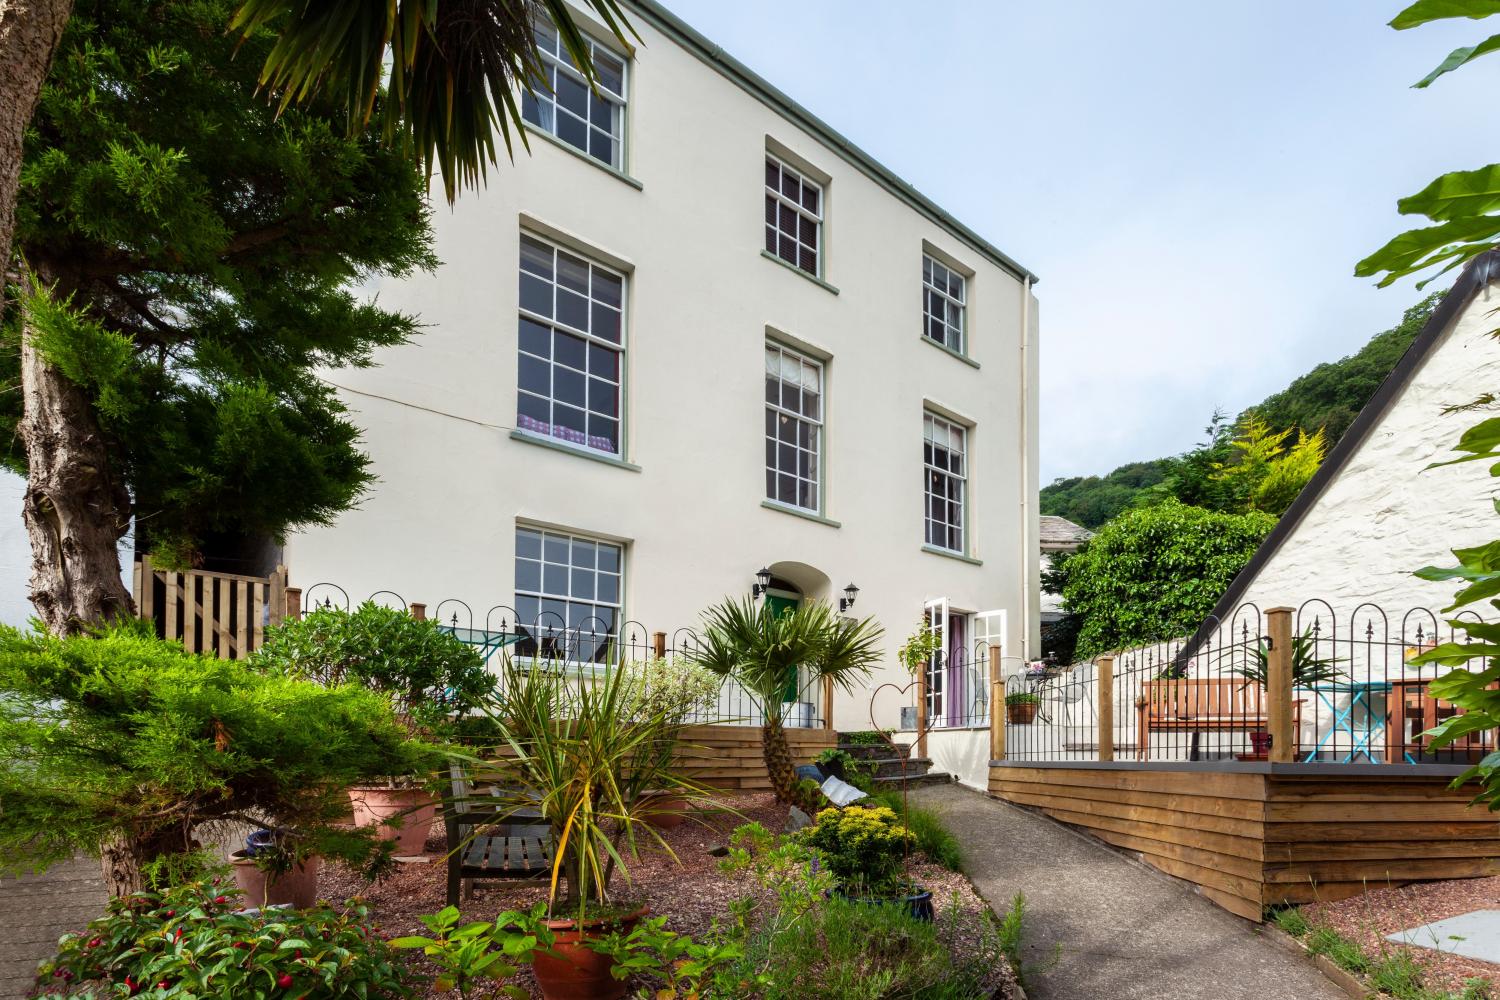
{"x":30,"y":31}
{"x":124,"y":858}
{"x":778,"y":757}
{"x":76,"y":508}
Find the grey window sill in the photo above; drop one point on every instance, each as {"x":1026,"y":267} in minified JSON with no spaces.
{"x":797,"y":270}
{"x":568,"y":148}
{"x":949,"y":351}
{"x":542,"y":442}
{"x":948,"y":553}
{"x":796,"y":512}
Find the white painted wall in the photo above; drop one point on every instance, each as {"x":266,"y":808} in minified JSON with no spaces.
{"x":1383,"y":517}
{"x":15,"y":553}
{"x":701,"y":300}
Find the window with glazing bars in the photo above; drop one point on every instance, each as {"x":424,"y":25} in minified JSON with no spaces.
{"x":942,"y":304}
{"x":563,"y":104}
{"x":794,"y":216}
{"x":794,"y":427}
{"x":944,"y":479}
{"x":567,"y":596}
{"x":571,"y":346}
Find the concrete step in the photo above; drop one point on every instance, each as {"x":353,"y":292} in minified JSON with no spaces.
{"x":874,"y":751}
{"x":894,"y":767}
{"x":915,"y":780}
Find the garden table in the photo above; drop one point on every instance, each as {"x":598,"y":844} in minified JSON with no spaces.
{"x":1359,"y":693}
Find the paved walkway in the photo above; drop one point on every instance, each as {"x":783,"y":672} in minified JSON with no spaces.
{"x":1126,"y":930}
{"x":36,"y":910}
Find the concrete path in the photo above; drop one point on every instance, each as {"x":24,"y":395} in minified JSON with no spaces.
{"x":36,"y":910}
{"x":1126,"y":930}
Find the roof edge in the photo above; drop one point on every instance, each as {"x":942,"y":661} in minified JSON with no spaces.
{"x":761,"y":89}
{"x":1476,"y":275}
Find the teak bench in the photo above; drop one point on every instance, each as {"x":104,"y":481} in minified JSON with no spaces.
{"x":1200,"y":705}
{"x":487,"y":842}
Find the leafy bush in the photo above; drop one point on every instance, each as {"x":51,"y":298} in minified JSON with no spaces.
{"x":430,"y":676}
{"x":472,"y":955}
{"x":674,"y":965}
{"x":1156,"y":573}
{"x":128,"y":739}
{"x":865,"y":848}
{"x":189,"y":942}
{"x":673,"y":687}
{"x":866,"y":738}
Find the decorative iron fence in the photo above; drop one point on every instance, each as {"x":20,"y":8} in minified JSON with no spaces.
{"x":1352,"y":694}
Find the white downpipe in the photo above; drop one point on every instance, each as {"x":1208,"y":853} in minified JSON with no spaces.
{"x":1025,"y":476}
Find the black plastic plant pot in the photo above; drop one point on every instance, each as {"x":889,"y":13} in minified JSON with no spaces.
{"x":919,"y":903}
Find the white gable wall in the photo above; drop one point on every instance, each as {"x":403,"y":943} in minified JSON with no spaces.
{"x":1382,"y":516}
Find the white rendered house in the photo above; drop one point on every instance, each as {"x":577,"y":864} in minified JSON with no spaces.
{"x":692,"y":334}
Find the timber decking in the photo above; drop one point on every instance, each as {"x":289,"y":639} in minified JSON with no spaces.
{"x":729,"y":757}
{"x":1252,"y":839}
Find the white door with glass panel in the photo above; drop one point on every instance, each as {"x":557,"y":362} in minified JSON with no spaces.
{"x":989,"y":630}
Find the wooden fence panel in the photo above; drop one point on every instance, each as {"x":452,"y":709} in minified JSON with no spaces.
{"x":220,"y":614}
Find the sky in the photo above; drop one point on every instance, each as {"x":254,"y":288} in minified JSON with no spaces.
{"x":1191,"y":182}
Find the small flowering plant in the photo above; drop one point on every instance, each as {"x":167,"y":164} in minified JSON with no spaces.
{"x":864,"y":848}
{"x":193,"y":941}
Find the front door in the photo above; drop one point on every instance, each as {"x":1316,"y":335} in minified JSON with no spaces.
{"x":779,"y":603}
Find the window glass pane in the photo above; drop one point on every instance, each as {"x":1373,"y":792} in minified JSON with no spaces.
{"x":604,"y":433}
{"x":572,"y":309}
{"x":609,"y":71}
{"x":546,"y":37}
{"x":535,"y":338}
{"x":601,"y":147}
{"x":608,"y":588}
{"x":603,"y":397}
{"x":572,"y":272}
{"x":604,"y":362}
{"x":571,"y":351}
{"x":569,"y":387}
{"x":606,"y":323}
{"x":554,"y":578}
{"x":536,"y":295}
{"x":583,"y":583}
{"x":607,"y":287}
{"x":773,"y":175}
{"x":528,"y":574}
{"x":535,"y":375}
{"x":528,"y":543}
{"x":536,"y":257}
{"x":533,"y":413}
{"x":601,"y":116}
{"x":609,"y":558}
{"x":572,"y":130}
{"x":572,"y":95}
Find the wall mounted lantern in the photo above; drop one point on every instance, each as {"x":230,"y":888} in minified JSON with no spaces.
{"x":762,"y":582}
{"x":847,"y":601}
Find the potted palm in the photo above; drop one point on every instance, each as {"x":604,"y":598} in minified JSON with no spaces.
{"x":1021,"y":707}
{"x":583,"y":751}
{"x":1308,"y":670}
{"x":761,"y":648}
{"x":431,"y":678}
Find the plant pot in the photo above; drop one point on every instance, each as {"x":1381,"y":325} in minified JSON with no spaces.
{"x":1260,"y":743}
{"x":1021,"y":714}
{"x":573,"y":971}
{"x":299,"y":887}
{"x":664,"y":810}
{"x":403,"y":815}
{"x":918,"y":903}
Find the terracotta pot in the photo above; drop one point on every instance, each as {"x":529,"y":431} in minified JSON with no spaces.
{"x":574,"y":971}
{"x":664,"y":810}
{"x":404,"y":815}
{"x":1260,"y":743}
{"x":1021,"y":714}
{"x":298,"y":886}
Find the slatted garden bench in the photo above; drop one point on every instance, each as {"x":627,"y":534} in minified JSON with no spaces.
{"x":488,"y":842}
{"x":1200,"y":705}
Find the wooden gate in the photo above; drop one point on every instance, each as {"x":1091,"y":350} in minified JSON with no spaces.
{"x":221,"y":614}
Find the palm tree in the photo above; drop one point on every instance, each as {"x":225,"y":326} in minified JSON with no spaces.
{"x":445,"y":66}
{"x":762,"y":648}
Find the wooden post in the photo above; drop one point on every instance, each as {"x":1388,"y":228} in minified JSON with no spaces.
{"x":828,"y":704}
{"x":278,"y":599}
{"x":293,"y":603}
{"x":659,"y":645}
{"x":419,"y":611}
{"x":922,"y":714}
{"x":997,"y":704}
{"x":1104,"y":668}
{"x":1279,"y":685}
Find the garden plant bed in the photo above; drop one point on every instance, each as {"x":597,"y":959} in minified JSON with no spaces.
{"x":1367,"y":919}
{"x":691,"y":891}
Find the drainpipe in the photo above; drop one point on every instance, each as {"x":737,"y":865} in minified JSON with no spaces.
{"x":1025,"y":477}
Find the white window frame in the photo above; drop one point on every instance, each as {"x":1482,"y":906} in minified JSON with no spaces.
{"x":543,"y":99}
{"x":546,"y":626}
{"x":932,"y":270}
{"x":777,"y":414}
{"x":932,"y":424}
{"x":778,"y":203}
{"x":555,"y":325}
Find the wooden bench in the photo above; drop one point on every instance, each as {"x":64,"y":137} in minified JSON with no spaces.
{"x":1200,"y":705}
{"x":487,"y":841}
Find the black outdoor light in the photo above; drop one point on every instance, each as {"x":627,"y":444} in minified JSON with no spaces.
{"x":762,"y":582}
{"x":847,"y":601}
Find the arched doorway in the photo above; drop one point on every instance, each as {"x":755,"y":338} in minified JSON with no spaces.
{"x":791,"y":584}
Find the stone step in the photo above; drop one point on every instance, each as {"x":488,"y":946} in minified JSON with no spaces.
{"x":915,"y":781}
{"x":875,"y":751}
{"x":896,"y":766}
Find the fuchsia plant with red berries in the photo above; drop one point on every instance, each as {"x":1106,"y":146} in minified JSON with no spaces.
{"x":192,"y":941}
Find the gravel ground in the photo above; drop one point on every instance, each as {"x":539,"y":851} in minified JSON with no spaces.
{"x":1369,"y":918}
{"x":691,"y":889}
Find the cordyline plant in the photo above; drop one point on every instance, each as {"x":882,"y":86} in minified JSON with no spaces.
{"x":120,"y":743}
{"x":763,"y":649}
{"x":589,"y":754}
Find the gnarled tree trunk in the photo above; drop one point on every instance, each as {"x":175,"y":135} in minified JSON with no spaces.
{"x":30,"y":32}
{"x":124,"y":858}
{"x":778,"y":757}
{"x":76,"y":507}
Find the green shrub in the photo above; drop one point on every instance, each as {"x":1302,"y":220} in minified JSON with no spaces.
{"x":1022,"y":698}
{"x":1291,"y":920}
{"x":430,"y":676}
{"x":932,"y":835}
{"x":127,"y":739}
{"x":864,"y":848}
{"x":189,"y":942}
{"x":866,"y":738}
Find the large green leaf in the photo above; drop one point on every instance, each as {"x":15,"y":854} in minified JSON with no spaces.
{"x":1458,"y":57}
{"x":1424,"y":11}
{"x":1456,"y":241}
{"x":1461,"y":194}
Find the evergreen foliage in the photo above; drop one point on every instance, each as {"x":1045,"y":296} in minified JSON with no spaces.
{"x":198,"y":253}
{"x":1155,"y":572}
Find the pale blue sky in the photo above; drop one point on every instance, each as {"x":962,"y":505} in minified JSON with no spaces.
{"x":1192,"y":181}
